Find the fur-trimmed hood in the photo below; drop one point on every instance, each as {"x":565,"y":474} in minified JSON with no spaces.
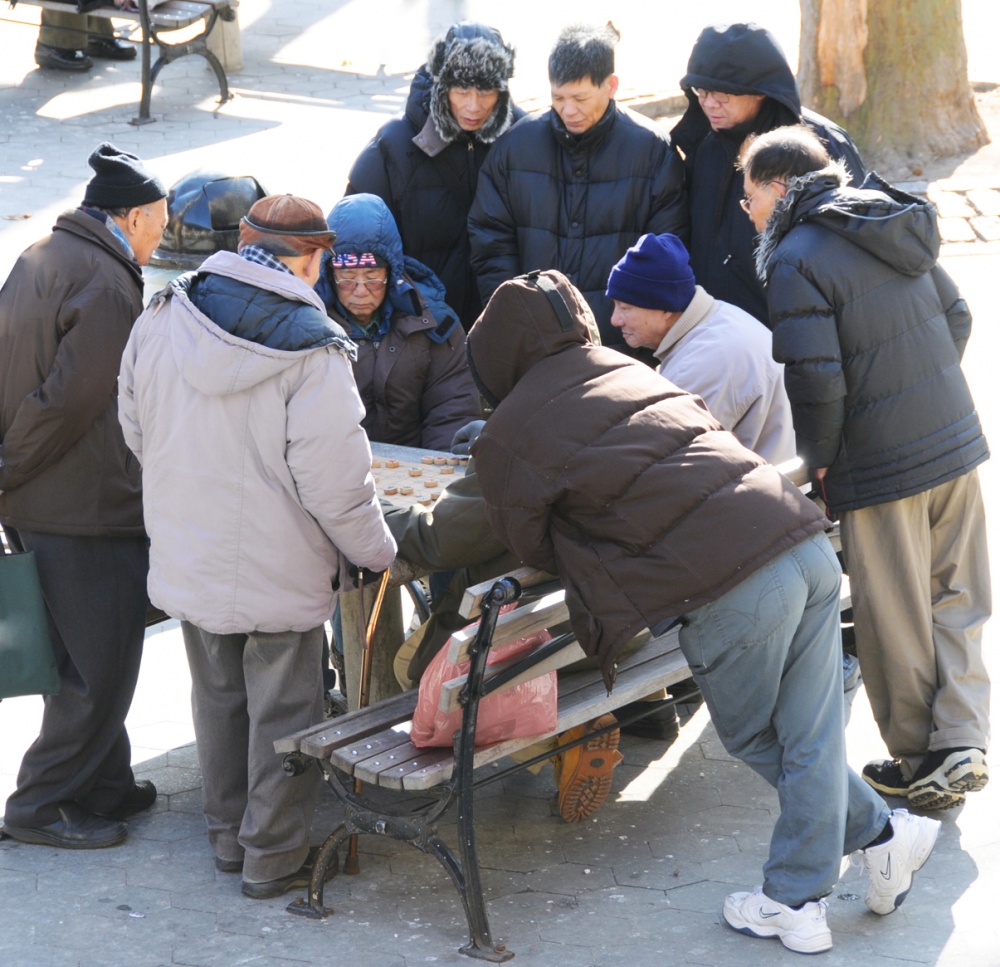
{"x":896,"y":227}
{"x":471,"y":55}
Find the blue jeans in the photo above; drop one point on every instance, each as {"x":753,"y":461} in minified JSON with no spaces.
{"x":767,"y":658}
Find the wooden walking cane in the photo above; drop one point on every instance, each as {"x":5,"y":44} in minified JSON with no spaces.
{"x":351,"y":863}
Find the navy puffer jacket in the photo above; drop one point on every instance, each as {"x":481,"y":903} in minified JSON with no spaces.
{"x":871,"y":331}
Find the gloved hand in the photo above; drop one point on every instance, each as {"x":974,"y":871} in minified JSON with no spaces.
{"x":464,"y":438}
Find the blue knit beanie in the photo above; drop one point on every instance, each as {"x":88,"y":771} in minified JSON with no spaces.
{"x":654,"y":274}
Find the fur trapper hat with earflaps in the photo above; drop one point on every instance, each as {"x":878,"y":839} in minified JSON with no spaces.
{"x":471,"y":55}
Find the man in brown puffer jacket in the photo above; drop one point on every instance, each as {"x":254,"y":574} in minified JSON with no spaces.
{"x":596,"y":468}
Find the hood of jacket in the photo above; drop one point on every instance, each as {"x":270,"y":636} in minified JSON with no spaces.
{"x":527,"y":320}
{"x":741,"y":58}
{"x":219,"y":362}
{"x":363,"y":223}
{"x":887,"y":223}
{"x":470,"y":55}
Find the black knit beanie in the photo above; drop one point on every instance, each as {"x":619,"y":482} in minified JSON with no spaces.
{"x":121,"y":180}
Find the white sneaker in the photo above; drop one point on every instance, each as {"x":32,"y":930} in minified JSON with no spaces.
{"x":803,"y":930}
{"x":892,"y":864}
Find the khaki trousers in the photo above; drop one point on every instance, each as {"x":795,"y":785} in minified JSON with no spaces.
{"x":920,"y":586}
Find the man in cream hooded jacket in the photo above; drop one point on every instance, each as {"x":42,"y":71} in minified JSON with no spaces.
{"x":236,"y":395}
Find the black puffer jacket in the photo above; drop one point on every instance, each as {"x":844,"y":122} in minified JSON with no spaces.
{"x":738,"y":59}
{"x":427,"y":177}
{"x":871,"y":331}
{"x":551,"y":199}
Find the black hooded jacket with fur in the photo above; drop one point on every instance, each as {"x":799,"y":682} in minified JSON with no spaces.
{"x":738,"y":59}
{"x":425,"y":167}
{"x":871,"y":331}
{"x":595,"y":467}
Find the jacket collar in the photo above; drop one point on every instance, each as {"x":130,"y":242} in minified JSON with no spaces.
{"x":589,"y":141}
{"x":699,"y":308}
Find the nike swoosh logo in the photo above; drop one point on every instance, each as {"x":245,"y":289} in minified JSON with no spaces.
{"x":765,"y":915}
{"x":886,"y":874}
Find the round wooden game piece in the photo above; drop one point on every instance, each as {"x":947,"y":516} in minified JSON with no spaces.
{"x":447,"y":470}
{"x":425,"y":501}
{"x":406,"y":491}
{"x":376,"y":464}
{"x":440,"y":460}
{"x":452,"y":461}
{"x":415,"y":471}
{"x":389,"y":491}
{"x":426,"y":459}
{"x":392,"y":464}
{"x":430,"y":483}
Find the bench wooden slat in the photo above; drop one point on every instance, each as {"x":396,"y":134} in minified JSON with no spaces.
{"x":527,"y":577}
{"x":359,"y":724}
{"x":380,"y":749}
{"x":546,"y":612}
{"x":408,"y":760}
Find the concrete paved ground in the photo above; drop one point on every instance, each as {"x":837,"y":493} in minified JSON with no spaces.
{"x":643,"y":882}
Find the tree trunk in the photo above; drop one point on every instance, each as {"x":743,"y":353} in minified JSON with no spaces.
{"x":894,"y":73}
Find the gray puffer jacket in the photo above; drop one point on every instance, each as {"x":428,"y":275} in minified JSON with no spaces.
{"x":871,"y":331}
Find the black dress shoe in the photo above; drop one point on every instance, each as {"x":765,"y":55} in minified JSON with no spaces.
{"x":141,"y":796}
{"x":59,"y":59}
{"x":228,"y":866}
{"x":659,"y":722}
{"x":300,"y":878}
{"x":111,"y":48}
{"x":75,"y":829}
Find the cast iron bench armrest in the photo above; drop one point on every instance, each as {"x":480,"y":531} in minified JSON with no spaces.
{"x":167,"y":18}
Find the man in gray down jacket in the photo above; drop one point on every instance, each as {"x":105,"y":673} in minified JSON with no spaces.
{"x":572,"y":188}
{"x":597,"y":469}
{"x":738,"y":83}
{"x":237,"y":398}
{"x":70,"y":492}
{"x":871,"y":331}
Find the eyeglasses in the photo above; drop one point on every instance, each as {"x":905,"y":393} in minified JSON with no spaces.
{"x":747,"y":200}
{"x":702,"y":94}
{"x":374,"y":286}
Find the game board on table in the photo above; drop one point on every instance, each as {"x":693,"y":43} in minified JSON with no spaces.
{"x":407,"y":476}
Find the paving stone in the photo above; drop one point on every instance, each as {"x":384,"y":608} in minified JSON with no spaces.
{"x":987,"y":227}
{"x":956,"y":230}
{"x":985,"y":200}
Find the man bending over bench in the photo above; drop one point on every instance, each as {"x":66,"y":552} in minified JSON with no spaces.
{"x":595,"y":468}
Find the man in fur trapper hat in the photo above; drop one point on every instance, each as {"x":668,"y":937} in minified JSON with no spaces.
{"x":425,"y":164}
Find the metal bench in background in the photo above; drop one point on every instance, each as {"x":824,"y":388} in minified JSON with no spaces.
{"x":155,"y":29}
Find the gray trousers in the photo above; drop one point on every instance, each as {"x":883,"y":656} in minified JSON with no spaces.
{"x":69,"y":31}
{"x":920,"y":586}
{"x":246,"y":691}
{"x":95,"y":596}
{"x":767,"y":658}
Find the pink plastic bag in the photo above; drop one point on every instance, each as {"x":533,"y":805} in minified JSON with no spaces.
{"x":528,"y":709}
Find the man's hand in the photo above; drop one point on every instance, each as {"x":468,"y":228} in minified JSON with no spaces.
{"x":462,"y":441}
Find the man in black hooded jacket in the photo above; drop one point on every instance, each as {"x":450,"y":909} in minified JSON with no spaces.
{"x":738,"y":83}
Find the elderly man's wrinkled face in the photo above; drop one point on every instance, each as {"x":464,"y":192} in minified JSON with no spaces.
{"x":581,"y":104}
{"x":726,"y":111}
{"x":642,"y":327}
{"x":361,"y":291}
{"x":143,"y":227}
{"x":472,"y":107}
{"x":759,"y":200}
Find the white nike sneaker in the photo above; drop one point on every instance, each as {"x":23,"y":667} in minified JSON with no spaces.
{"x":803,"y":930}
{"x":892,"y":864}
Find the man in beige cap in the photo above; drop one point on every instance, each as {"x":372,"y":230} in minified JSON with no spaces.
{"x":236,"y":395}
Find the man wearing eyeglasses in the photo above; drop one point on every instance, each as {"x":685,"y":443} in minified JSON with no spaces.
{"x":410,"y":369}
{"x":738,"y":83}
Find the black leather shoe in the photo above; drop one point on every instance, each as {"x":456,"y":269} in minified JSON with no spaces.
{"x":228,"y":866}
{"x":110,"y":48}
{"x":300,"y":878}
{"x":58,"y":59}
{"x":75,"y":829}
{"x":141,"y":796}
{"x":660,"y":722}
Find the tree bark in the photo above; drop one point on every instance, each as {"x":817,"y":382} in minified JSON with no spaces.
{"x":894,"y":73}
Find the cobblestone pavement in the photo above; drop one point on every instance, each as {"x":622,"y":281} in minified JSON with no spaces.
{"x":643,"y":882}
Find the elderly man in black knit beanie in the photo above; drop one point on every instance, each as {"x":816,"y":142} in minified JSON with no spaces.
{"x":70,"y":492}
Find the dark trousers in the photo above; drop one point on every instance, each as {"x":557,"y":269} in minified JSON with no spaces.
{"x":95,"y":594}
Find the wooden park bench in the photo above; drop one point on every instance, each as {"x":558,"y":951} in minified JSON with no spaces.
{"x":372,"y":744}
{"x":158,"y":28}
